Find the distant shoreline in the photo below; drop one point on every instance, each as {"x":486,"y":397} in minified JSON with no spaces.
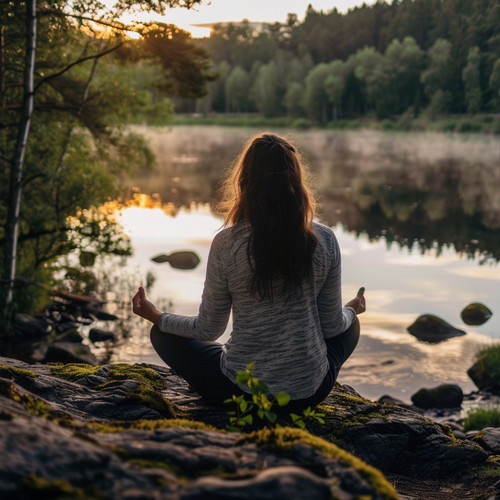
{"x":480,"y":124}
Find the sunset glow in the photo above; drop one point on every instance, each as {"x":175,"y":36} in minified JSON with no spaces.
{"x":215,"y":11}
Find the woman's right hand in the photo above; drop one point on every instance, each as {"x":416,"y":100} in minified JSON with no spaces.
{"x":144,"y":308}
{"x":359,"y":302}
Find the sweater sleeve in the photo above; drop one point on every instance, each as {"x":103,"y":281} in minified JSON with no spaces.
{"x":215,"y":307}
{"x":334,"y":318}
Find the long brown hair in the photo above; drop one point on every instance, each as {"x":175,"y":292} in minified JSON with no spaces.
{"x":267,"y":187}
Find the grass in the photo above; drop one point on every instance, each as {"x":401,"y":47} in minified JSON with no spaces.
{"x":482,"y":417}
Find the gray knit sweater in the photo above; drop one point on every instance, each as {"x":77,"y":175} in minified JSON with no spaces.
{"x":285,"y":338}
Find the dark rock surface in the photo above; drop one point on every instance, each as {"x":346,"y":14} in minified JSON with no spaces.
{"x":99,"y":335}
{"x":475,"y":314}
{"x":135,"y":431}
{"x":107,"y":432}
{"x":489,"y":438}
{"x":443,"y":396}
{"x":432,"y":329}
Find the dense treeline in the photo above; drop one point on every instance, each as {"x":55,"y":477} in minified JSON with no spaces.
{"x":410,"y":56}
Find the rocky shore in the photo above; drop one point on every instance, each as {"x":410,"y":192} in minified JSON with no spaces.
{"x":135,"y":431}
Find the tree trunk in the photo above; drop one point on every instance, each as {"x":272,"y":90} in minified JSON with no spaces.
{"x":16,"y":173}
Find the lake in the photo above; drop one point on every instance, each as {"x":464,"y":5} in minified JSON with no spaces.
{"x":417,"y":216}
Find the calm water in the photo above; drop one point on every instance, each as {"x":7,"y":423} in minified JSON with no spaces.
{"x":418,"y":221}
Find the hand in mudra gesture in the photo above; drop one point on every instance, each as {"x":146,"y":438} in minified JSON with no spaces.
{"x":144,"y":308}
{"x":359,"y":302}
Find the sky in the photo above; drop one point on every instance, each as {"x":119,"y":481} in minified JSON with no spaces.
{"x":212,"y":11}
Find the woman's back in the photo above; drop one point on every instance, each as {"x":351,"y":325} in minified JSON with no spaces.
{"x":283,"y":336}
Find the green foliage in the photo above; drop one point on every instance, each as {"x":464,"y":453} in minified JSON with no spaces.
{"x":299,"y":420}
{"x":86,"y":87}
{"x":395,"y":56}
{"x":261,"y":405}
{"x":472,"y":83}
{"x":482,"y":417}
{"x":489,"y":359}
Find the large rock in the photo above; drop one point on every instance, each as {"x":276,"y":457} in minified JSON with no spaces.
{"x":443,"y":396}
{"x":432,"y":329}
{"x":489,"y":438}
{"x":78,"y":431}
{"x":396,"y":440}
{"x":134,"y":431}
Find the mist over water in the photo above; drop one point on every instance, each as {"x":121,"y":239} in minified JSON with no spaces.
{"x":418,"y":221}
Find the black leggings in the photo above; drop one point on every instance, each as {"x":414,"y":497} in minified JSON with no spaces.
{"x":198,"y":362}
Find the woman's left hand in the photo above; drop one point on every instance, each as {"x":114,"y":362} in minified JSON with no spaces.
{"x":359,"y":302}
{"x":144,"y":308}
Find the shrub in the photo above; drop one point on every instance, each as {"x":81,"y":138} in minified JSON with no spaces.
{"x":485,"y":372}
{"x":482,"y":417}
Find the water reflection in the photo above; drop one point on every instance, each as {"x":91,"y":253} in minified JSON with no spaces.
{"x":399,"y":287}
{"x":402,"y":206}
{"x":419,"y":191}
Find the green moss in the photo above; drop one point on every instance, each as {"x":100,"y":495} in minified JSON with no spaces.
{"x":32,"y":404}
{"x":150,"y":425}
{"x":482,"y":417}
{"x":344,"y":398}
{"x":11,"y":371}
{"x":140,"y":461}
{"x":38,"y":488}
{"x":146,"y":395}
{"x":280,"y":441}
{"x":449,"y":432}
{"x":73,"y":371}
{"x":123,"y":371}
{"x":363,"y":412}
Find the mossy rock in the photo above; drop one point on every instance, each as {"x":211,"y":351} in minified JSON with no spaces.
{"x":432,"y":329}
{"x":282,"y":441}
{"x":475,"y":314}
{"x":485,"y":372}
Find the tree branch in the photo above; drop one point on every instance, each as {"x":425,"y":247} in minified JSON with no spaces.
{"x":74,"y":63}
{"x":110,"y":24}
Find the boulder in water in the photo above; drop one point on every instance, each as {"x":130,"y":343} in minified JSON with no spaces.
{"x":432,"y":329}
{"x":443,"y":396}
{"x":475,"y":314}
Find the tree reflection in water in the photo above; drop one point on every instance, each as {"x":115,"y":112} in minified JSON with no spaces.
{"x":419,"y":191}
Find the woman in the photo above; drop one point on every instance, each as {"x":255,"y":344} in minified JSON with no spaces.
{"x":279,"y":273}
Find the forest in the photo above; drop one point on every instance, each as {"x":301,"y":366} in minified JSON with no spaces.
{"x":73,"y":77}
{"x":407,"y":57}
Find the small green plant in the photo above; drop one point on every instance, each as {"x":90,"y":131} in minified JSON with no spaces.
{"x":261,"y":405}
{"x":482,"y":417}
{"x":299,"y":420}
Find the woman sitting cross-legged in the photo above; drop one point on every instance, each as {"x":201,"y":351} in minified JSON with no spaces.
{"x":279,"y":274}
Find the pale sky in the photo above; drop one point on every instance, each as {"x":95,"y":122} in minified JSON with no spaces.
{"x":212,"y":11}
